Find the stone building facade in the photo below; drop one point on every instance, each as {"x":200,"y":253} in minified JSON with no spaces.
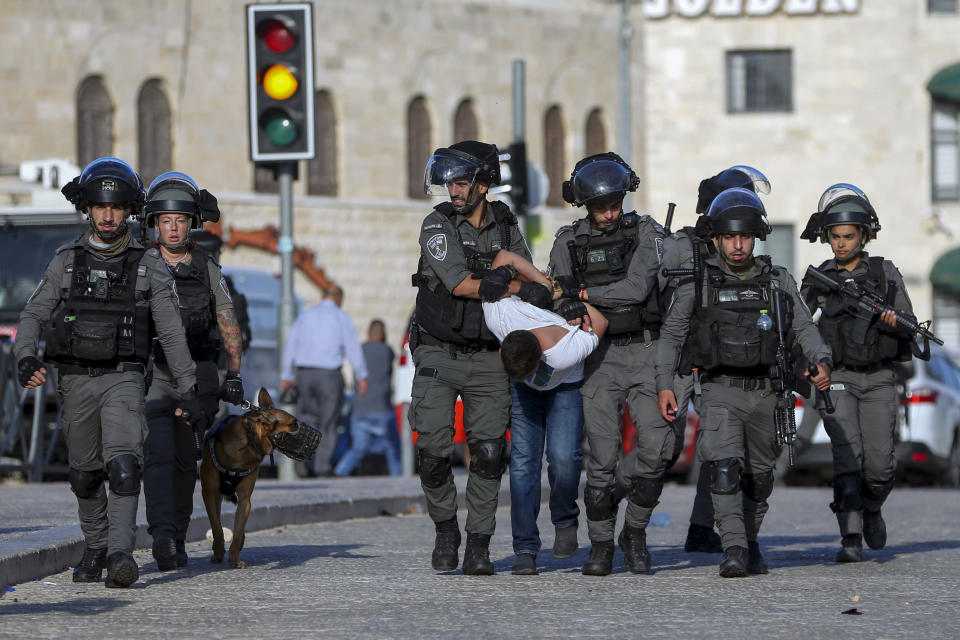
{"x":858,"y":110}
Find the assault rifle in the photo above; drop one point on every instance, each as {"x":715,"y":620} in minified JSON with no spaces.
{"x":696,"y":271}
{"x":869,"y":305}
{"x":784,"y":417}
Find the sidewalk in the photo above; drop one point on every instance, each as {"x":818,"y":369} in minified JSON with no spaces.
{"x":40,"y":532}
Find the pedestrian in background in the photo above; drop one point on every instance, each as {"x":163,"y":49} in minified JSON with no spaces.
{"x":373,"y":421}
{"x":319,"y":341}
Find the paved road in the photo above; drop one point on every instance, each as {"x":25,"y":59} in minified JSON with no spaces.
{"x":370,"y":578}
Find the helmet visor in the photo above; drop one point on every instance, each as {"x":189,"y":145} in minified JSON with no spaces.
{"x":600,"y":178}
{"x":838,"y":192}
{"x":444,"y":168}
{"x":748,"y":176}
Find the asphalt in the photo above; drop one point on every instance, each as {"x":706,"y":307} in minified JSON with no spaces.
{"x":40,"y":531}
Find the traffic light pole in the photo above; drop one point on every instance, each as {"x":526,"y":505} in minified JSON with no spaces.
{"x":285,"y":173}
{"x":519,"y":131}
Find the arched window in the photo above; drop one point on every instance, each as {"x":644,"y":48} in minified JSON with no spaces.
{"x":595,"y":134}
{"x":553,"y":159}
{"x":322,"y":170}
{"x":94,"y":121}
{"x":418,"y":146}
{"x":153,"y":131}
{"x":465,"y":122}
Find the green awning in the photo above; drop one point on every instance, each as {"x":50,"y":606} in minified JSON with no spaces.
{"x":945,"y":273}
{"x":946,"y":84}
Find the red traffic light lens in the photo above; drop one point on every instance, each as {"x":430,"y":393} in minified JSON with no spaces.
{"x":277,"y":36}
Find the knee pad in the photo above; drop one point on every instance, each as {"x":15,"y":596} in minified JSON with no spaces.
{"x":724,"y":476}
{"x":434,"y":471}
{"x":85,"y":484}
{"x":757,"y":486}
{"x":124,"y":472}
{"x":487,"y":458}
{"x":876,"y":491}
{"x":846,"y":493}
{"x":599,"y":503}
{"x":645,"y":492}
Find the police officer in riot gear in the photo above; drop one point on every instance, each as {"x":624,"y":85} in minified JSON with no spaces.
{"x":454,"y":351}
{"x":678,"y":254}
{"x":99,"y":295}
{"x":174,"y":206}
{"x":862,"y":428}
{"x":731,"y":350}
{"x":612,"y":259}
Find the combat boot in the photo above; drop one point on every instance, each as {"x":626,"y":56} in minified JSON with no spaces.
{"x":525,"y":564}
{"x":755,"y":562}
{"x":600,"y":562}
{"x":734,"y":563}
{"x":476,"y":557}
{"x":565,"y":541}
{"x":122,"y":570}
{"x":633,"y":543}
{"x":447,"y":545}
{"x":702,"y":539}
{"x":91,"y":566}
{"x":874,"y":529}
{"x":851,"y":549}
{"x":181,"y":557}
{"x":165,"y":553}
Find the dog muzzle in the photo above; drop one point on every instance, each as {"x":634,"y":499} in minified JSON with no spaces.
{"x":300,"y":444}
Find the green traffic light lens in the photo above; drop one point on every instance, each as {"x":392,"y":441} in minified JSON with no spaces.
{"x":279,"y":127}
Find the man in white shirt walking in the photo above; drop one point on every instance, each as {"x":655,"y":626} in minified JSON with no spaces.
{"x":318,"y":342}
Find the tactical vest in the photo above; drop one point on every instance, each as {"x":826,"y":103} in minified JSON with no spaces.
{"x":101,"y":320}
{"x":724,"y":334}
{"x":197,"y":309}
{"x":837,"y":319}
{"x":605,"y":259}
{"x":456,"y":319}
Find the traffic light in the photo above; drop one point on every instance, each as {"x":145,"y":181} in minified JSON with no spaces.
{"x":280,"y":81}
{"x":514,"y":176}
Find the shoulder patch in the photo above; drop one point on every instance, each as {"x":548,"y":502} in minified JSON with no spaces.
{"x":437,"y":246}
{"x":658,"y":245}
{"x":427,"y":227}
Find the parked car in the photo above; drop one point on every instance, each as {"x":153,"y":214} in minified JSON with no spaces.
{"x":927,"y":433}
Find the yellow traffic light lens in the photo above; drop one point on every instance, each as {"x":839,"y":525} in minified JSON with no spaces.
{"x":279,"y":83}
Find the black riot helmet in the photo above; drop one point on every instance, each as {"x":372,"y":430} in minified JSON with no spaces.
{"x":469,"y":159}
{"x":741,"y":175}
{"x":842,"y":203}
{"x":735,"y":210}
{"x":106,"y":180}
{"x":176,"y":192}
{"x":604,"y":175}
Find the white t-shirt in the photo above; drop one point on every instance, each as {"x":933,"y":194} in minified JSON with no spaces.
{"x":563,"y":362}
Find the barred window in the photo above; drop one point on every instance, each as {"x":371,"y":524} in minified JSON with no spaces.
{"x":322,"y":170}
{"x":945,"y":151}
{"x":759,"y":81}
{"x":418,"y":146}
{"x":554,"y":162}
{"x":94,"y":121}
{"x":935,"y":7}
{"x":153,"y":131}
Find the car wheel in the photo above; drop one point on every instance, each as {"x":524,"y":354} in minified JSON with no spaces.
{"x":951,"y":477}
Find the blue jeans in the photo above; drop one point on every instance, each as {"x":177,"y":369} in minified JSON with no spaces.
{"x":554,"y":417}
{"x":372,"y":433}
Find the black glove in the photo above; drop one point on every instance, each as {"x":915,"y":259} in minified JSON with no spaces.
{"x":569,"y":286}
{"x":28,"y":366}
{"x":192,"y":411}
{"x":536,"y":294}
{"x":496,"y":282}
{"x":572,"y":309}
{"x":232,"y":391}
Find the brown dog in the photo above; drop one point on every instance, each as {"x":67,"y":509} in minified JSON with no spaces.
{"x":232,"y":452}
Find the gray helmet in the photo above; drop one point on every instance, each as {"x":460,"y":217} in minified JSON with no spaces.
{"x":106,"y":180}
{"x":842,"y":203}
{"x":736,"y":210}
{"x":176,"y":192}
{"x":470,"y":160}
{"x":604,"y":175}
